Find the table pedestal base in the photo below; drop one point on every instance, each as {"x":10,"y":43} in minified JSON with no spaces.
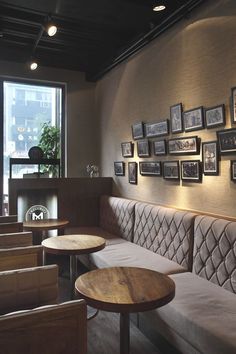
{"x":124,"y":333}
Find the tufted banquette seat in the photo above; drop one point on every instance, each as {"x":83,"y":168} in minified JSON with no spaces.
{"x":197,"y":251}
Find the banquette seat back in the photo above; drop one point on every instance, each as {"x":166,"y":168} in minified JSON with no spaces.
{"x":214,"y":255}
{"x":165,"y":231}
{"x":117,"y":216}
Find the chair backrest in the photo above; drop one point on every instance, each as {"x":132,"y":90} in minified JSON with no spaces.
{"x":17,"y":239}
{"x":166,"y":231}
{"x":21,"y":257}
{"x":8,"y":218}
{"x":28,"y":288}
{"x":214,"y":254}
{"x":51,"y":330}
{"x":11,"y":227}
{"x":117,"y":216}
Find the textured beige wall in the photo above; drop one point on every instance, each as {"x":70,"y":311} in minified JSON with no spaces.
{"x":194,"y":63}
{"x":80,"y":114}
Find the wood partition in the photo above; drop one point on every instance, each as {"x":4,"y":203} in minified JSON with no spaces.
{"x":78,"y":198}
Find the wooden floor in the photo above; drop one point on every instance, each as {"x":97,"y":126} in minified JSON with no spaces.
{"x":103,"y":336}
{"x":103,"y":330}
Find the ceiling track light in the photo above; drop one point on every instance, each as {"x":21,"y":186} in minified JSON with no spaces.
{"x":33,"y":65}
{"x":159,"y":8}
{"x":51,"y":27}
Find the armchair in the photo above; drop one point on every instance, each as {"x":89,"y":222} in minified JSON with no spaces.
{"x":55,"y":328}
{"x":16,"y":251}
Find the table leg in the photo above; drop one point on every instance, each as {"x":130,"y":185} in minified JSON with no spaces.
{"x":73,"y":273}
{"x":44,"y":234}
{"x":124,"y":333}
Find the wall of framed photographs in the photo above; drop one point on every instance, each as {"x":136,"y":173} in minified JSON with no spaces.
{"x":173,"y":103}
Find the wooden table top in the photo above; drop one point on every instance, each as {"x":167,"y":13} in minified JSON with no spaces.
{"x":125,"y":289}
{"x":44,"y":224}
{"x":74,"y":244}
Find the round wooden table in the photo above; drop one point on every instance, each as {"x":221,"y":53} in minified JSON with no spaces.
{"x":73,"y":245}
{"x":125,"y":290}
{"x":44,"y":225}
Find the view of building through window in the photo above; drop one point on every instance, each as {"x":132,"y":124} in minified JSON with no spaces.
{"x":26,"y":108}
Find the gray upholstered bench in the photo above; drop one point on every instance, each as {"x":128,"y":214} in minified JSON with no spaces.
{"x":198,"y":252}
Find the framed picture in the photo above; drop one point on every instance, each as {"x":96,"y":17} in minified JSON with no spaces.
{"x":150,"y":168}
{"x":132,"y":172}
{"x":171,"y":170}
{"x":210,"y":158}
{"x":193,"y":119}
{"x":176,"y":121}
{"x":119,"y":168}
{"x":138,"y":131}
{"x":233,"y":105}
{"x":227,"y":141}
{"x":184,"y":146}
{"x":191,"y":171}
{"x":157,"y":129}
{"x":233,"y":170}
{"x":127,"y":149}
{"x":215,"y":116}
{"x":143,"y":148}
{"x":159,"y":147}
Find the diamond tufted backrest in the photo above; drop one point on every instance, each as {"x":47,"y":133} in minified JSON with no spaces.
{"x":166,"y":231}
{"x":214,"y":255}
{"x":117,"y":216}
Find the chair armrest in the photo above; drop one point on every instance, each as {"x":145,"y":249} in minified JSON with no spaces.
{"x":28,"y":288}
{"x":11,"y":227}
{"x":54,"y":329}
{"x":8,"y":218}
{"x":21,"y":257}
{"x":16,"y":239}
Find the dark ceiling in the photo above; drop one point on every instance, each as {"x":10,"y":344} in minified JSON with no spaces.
{"x":93,"y":35}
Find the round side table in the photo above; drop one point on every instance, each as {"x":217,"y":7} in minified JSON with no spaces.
{"x":125,"y":290}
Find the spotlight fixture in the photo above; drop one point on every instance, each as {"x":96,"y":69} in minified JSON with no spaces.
{"x":33,"y":65}
{"x":159,"y":8}
{"x":51,"y":29}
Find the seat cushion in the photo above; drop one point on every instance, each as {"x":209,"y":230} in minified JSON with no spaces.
{"x":202,"y":313}
{"x":128,"y":254}
{"x":95,"y":231}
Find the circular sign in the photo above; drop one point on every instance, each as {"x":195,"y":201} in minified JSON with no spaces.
{"x":37,"y":212}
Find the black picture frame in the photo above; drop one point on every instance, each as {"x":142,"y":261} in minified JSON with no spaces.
{"x":233,"y":170}
{"x":157,"y":129}
{"x":127,"y":149}
{"x":227,"y":141}
{"x":170,"y":170}
{"x":138,"y":131}
{"x":159,"y":147}
{"x":233,"y":105}
{"x":210,"y":158}
{"x":191,"y":171}
{"x":215,"y":116}
{"x":193,"y":119}
{"x":119,"y":168}
{"x":150,"y":168}
{"x":143,"y":148}
{"x":132,"y":172}
{"x":189,"y":145}
{"x":176,"y":118}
